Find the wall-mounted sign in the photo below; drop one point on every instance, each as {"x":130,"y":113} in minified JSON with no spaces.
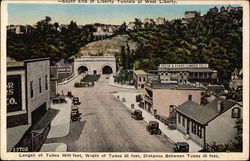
{"x":64,"y":69}
{"x":183,"y":66}
{"x":14,"y":93}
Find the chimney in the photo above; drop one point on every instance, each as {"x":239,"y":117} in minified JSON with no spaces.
{"x":219,"y":106}
{"x":190,"y":97}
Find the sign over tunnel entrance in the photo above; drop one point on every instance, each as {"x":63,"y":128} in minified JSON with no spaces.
{"x":95,"y":65}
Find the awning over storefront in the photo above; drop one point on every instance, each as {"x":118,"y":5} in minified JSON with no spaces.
{"x":44,"y":121}
{"x":15,"y":134}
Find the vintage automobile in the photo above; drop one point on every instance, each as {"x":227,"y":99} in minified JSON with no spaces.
{"x":58,"y":100}
{"x":76,"y":101}
{"x":75,"y":115}
{"x":138,"y":98}
{"x":171,"y":123}
{"x":153,"y":128}
{"x":137,"y":115}
{"x":181,"y":147}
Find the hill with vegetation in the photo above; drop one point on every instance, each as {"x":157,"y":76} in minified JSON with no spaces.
{"x":109,"y":46}
{"x":215,"y":38}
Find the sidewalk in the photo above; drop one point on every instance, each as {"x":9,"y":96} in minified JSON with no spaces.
{"x":112,"y":83}
{"x":173,"y":135}
{"x":54,"y":147}
{"x":61,"y":123}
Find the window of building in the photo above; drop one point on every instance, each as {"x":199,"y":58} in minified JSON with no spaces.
{"x":190,"y":97}
{"x":194,"y":128}
{"x":46,"y":82}
{"x":31,"y":90}
{"x":179,"y":119}
{"x":210,"y":75}
{"x":139,"y":79}
{"x":144,"y":79}
{"x":199,"y":131}
{"x":40,"y":85}
{"x":183,"y":121}
{"x":205,"y":74}
{"x":236,"y":112}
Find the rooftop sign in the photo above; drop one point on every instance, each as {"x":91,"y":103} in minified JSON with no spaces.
{"x":183,"y":66}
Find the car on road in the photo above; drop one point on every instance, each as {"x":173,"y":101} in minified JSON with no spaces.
{"x":181,"y":147}
{"x":75,"y":115}
{"x":76,"y":101}
{"x":137,"y":115}
{"x":153,"y":128}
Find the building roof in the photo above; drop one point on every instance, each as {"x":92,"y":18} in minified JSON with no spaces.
{"x":44,"y":121}
{"x":140,"y":72}
{"x":204,"y":114}
{"x":15,"y":134}
{"x":238,"y":82}
{"x":171,"y":85}
{"x":13,"y":63}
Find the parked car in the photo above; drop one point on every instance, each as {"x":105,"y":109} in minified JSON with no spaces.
{"x":138,"y":98}
{"x":157,"y":117}
{"x":137,"y":115}
{"x":153,"y":128}
{"x":171,"y":123}
{"x":181,"y":147}
{"x":75,"y":115}
{"x":76,"y":101}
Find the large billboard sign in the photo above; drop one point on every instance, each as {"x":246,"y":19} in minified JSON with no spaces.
{"x":14,"y":93}
{"x":183,"y":66}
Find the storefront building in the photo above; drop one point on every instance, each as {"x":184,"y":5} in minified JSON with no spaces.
{"x":162,"y":98}
{"x":184,"y":73}
{"x":140,"y":79}
{"x":28,"y":104}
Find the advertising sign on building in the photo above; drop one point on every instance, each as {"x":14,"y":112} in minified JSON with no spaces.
{"x":14,"y":94}
{"x":183,"y":66}
{"x":64,"y":69}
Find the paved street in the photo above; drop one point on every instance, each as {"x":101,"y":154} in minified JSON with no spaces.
{"x":106,"y":124}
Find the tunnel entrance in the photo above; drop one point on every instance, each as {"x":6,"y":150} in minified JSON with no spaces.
{"x":107,"y":70}
{"x":82,"y":69}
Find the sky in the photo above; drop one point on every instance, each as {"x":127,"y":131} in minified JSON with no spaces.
{"x":23,"y":14}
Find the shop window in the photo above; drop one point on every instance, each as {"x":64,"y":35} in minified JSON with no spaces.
{"x":199,"y":131}
{"x":193,"y":128}
{"x":236,"y":112}
{"x":183,"y":121}
{"x":46,"y":82}
{"x":31,"y":90}
{"x":40,"y":85}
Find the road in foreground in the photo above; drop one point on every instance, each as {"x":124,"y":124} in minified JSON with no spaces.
{"x":106,"y":124}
